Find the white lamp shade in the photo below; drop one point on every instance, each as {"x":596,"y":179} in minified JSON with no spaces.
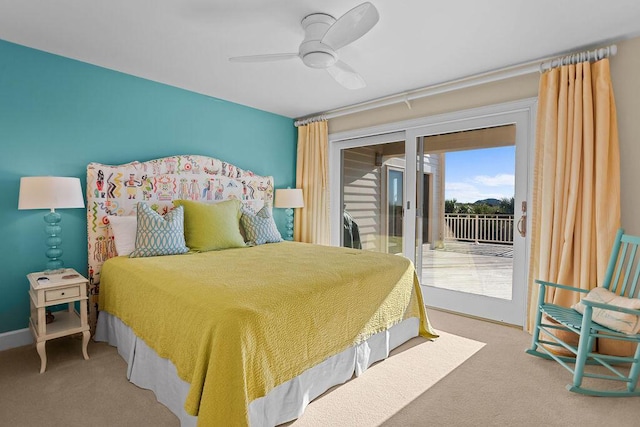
{"x":289,"y":198}
{"x":50,"y":192}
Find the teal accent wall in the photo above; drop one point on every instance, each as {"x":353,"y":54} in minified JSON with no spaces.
{"x":57,"y":115}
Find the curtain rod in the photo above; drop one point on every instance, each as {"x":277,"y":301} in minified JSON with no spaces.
{"x":306,"y":121}
{"x":465,"y":82}
{"x":574,"y":58}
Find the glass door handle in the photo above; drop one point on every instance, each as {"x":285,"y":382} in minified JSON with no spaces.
{"x":522,"y":225}
{"x":522,"y":222}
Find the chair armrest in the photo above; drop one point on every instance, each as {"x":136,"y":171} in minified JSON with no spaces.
{"x":611,"y":307}
{"x":555,"y":285}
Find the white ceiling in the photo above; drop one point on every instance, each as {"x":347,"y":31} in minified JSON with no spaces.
{"x":416,"y":43}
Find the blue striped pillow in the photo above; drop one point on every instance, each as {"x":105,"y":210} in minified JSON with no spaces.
{"x":157,"y":234}
{"x":260,"y":228}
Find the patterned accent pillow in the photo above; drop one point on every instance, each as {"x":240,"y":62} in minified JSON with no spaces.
{"x":260,"y":227}
{"x":157,"y":234}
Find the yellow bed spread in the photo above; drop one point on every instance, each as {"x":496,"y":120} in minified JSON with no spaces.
{"x":236,"y":323}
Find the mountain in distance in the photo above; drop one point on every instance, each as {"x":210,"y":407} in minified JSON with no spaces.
{"x":490,"y":202}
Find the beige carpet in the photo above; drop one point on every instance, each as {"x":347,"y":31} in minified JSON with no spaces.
{"x":476,"y":374}
{"x":72,"y":391}
{"x":385,"y":388}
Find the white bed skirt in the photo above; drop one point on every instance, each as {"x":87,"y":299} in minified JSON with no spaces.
{"x":282,"y":404}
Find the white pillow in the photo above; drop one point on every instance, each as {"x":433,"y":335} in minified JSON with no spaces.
{"x":618,"y":321}
{"x":124,"y":229}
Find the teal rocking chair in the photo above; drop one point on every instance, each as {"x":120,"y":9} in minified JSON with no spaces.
{"x":621,"y":278}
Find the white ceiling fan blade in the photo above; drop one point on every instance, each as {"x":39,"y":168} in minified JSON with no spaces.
{"x":264,"y":58}
{"x":346,"y":76}
{"x":351,"y":26}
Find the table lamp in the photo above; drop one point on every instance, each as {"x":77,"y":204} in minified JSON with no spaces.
{"x":289,"y":198}
{"x":51,"y":192}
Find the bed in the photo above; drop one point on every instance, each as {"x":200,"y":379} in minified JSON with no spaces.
{"x":226,"y":333}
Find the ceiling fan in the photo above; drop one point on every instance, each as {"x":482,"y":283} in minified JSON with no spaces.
{"x":324,"y":35}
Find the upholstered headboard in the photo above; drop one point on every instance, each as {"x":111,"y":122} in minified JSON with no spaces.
{"x":116,"y":190}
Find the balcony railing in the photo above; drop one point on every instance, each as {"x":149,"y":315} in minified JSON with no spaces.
{"x":479,"y":228}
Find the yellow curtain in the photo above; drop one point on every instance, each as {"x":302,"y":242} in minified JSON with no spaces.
{"x":576,"y":194}
{"x":312,"y":221}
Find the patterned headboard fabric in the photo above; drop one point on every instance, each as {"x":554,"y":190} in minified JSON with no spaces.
{"x":116,"y":190}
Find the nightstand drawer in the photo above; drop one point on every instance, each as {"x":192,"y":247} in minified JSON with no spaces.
{"x":64,"y":293}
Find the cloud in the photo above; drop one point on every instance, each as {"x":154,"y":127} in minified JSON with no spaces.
{"x":502,"y":179}
{"x":460,"y":186}
{"x":465,"y":192}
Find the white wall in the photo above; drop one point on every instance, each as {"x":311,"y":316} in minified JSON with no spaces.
{"x":625,"y":69}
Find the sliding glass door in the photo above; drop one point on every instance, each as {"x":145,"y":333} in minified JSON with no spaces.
{"x":397,"y":192}
{"x":476,"y":212}
{"x":394,"y":201}
{"x":372,"y":196}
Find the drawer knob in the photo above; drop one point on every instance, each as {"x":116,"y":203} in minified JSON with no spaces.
{"x":62,"y":293}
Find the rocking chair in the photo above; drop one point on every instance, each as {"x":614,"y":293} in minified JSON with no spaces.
{"x":613,"y":317}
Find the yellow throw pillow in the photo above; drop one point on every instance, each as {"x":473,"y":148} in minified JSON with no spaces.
{"x":211,"y":226}
{"x":618,"y":321}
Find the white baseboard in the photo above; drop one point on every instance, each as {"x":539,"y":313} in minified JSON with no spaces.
{"x":14,"y":339}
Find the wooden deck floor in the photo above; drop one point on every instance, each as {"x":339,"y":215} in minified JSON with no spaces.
{"x":483,"y":269}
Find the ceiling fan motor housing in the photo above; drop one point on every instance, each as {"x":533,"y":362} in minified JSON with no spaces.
{"x":312,"y":52}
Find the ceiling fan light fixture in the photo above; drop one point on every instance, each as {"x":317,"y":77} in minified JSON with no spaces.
{"x":317,"y":55}
{"x":319,"y":59}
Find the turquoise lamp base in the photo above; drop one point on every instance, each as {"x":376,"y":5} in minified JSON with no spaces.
{"x":289,"y":213}
{"x":54,"y":252}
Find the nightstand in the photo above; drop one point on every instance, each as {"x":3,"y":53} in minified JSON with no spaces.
{"x":53,"y":289}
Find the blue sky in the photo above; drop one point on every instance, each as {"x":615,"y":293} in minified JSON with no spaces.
{"x":472,"y":175}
